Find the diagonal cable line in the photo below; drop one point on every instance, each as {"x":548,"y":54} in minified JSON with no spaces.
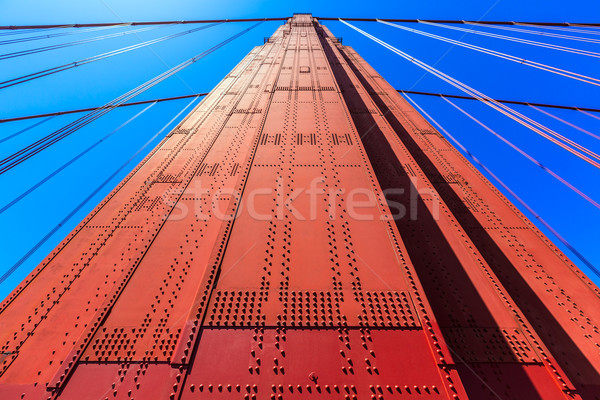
{"x":183,"y":22}
{"x":556,"y":138}
{"x":543,"y":24}
{"x":524,"y":154}
{"x":4,"y":139}
{"x":517,"y":40}
{"x":47,"y":141}
{"x":588,"y":114}
{"x":22,"y":53}
{"x":522,"y":61}
{"x":454,"y":96}
{"x":43,"y":240}
{"x":74,"y":64}
{"x":52,"y":35}
{"x":79,"y":110}
{"x":512,"y":193}
{"x":573,"y":29}
{"x":112,"y":11}
{"x":539,"y":33}
{"x":72,"y":160}
{"x":580,"y":129}
{"x":22,"y":31}
{"x":452,"y":47}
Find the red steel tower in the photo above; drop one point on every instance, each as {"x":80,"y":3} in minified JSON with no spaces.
{"x":303,"y":233}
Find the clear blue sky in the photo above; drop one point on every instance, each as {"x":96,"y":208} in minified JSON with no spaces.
{"x":24,"y":224}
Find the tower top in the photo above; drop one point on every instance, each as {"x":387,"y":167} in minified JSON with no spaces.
{"x":302,"y":19}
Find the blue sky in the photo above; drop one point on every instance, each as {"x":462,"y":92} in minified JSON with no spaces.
{"x":28,"y":221}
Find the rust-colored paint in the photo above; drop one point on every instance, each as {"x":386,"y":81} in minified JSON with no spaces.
{"x":158,"y":294}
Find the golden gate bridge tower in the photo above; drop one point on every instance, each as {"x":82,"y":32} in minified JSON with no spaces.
{"x":303,"y":233}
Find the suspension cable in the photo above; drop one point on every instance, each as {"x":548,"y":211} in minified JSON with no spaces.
{"x":454,"y":21}
{"x":526,"y":155}
{"x":132,"y":103}
{"x":22,"y":31}
{"x":193,"y":21}
{"x":52,"y":35}
{"x":556,"y":25}
{"x":580,"y":129}
{"x":564,"y":28}
{"x":540,"y":33}
{"x":4,"y":139}
{"x":47,"y":141}
{"x":60,"y":68}
{"x":523,"y":103}
{"x":567,"y":144}
{"x":588,"y":114}
{"x":74,"y":43}
{"x":453,"y":96}
{"x":72,"y":160}
{"x":43,"y":240}
{"x":522,"y":61}
{"x":517,"y":40}
{"x":511,"y":192}
{"x":532,"y":105}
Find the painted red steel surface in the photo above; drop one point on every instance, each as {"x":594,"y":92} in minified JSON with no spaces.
{"x":158,"y":294}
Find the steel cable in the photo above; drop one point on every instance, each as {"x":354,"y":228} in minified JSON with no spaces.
{"x":580,"y":129}
{"x":47,"y":141}
{"x":454,"y":96}
{"x":589,"y":114}
{"x":43,"y":240}
{"x":525,"y":154}
{"x":510,"y":191}
{"x":80,"y":110}
{"x":74,"y":64}
{"x":4,"y":139}
{"x":22,"y":53}
{"x":517,"y":40}
{"x":576,"y":149}
{"x":22,"y":31}
{"x":72,"y":160}
{"x":592,"y":31}
{"x":522,"y":61}
{"x":52,"y":35}
{"x":540,"y":33}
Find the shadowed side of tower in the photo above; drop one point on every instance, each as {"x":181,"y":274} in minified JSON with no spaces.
{"x":494,"y":280}
{"x":256,"y":253}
